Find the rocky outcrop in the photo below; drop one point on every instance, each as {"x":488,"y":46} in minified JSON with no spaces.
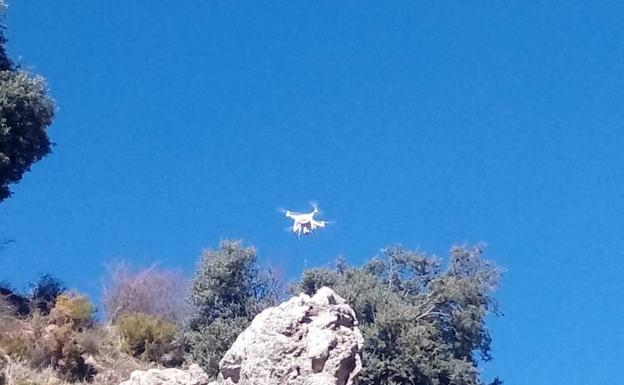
{"x":193,"y":376}
{"x":304,"y":341}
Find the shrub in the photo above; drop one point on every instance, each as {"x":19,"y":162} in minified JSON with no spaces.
{"x":20,"y":373}
{"x":90,"y":341}
{"x":73,"y":307}
{"x":227,"y":291}
{"x":146,"y":336}
{"x":114,"y":363}
{"x":421,"y":325}
{"x":59,"y":346}
{"x":52,"y":343}
{"x":16,"y":346}
{"x":209,"y":342}
{"x":153,"y":291}
{"x":55,"y":341}
{"x":19,"y":303}
{"x":72,"y":364}
{"x":44,"y":293}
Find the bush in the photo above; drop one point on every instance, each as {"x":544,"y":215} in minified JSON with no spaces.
{"x":209,"y":342}
{"x":45,"y":292}
{"x":421,"y":325}
{"x":53,"y":339}
{"x":58,"y":341}
{"x":227,"y":291}
{"x":72,"y":364}
{"x":74,"y":308}
{"x":145,"y":336}
{"x":90,"y":341}
{"x":16,"y":346}
{"x":58,"y":346}
{"x":19,"y":304}
{"x":151,"y":291}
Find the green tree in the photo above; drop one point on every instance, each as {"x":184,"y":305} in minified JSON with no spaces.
{"x":227,"y":291}
{"x":26,"y":111}
{"x":421,"y":324}
{"x":44,"y":293}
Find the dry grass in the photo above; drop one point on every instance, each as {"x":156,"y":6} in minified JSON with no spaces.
{"x":8,"y":321}
{"x":6,"y":310}
{"x":20,"y":373}
{"x":113,"y":365}
{"x":104,"y":351}
{"x":50,"y":349}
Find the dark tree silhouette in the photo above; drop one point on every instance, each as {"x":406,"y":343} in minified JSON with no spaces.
{"x":44,"y":293}
{"x":19,"y":303}
{"x":26,"y":111}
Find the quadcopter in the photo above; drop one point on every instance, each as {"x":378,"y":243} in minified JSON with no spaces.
{"x":304,"y":223}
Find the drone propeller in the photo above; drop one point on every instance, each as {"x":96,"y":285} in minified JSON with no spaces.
{"x":283,"y":211}
{"x":315,"y":206}
{"x":331,"y":223}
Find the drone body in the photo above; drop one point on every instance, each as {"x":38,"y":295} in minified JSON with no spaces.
{"x":304,"y":223}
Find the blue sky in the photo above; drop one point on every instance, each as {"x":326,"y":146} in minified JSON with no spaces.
{"x":423,"y":123}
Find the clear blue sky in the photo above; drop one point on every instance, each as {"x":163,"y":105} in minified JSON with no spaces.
{"x":181,"y":123}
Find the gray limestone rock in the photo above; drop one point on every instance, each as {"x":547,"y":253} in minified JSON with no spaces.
{"x":193,"y":376}
{"x":304,"y":341}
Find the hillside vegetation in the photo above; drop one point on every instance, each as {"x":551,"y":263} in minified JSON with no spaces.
{"x":422,"y":323}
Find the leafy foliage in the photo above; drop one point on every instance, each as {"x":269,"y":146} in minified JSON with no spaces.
{"x":67,"y":344}
{"x":60,"y":348}
{"x":73,"y":308}
{"x":146,"y":336}
{"x":227,"y":291}
{"x":5,"y":62}
{"x":42,"y":296}
{"x":45,"y":291}
{"x":25,"y":113}
{"x":421,"y":325}
{"x":52,"y":340}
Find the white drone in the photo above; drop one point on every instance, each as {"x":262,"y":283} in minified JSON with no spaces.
{"x":304,"y":223}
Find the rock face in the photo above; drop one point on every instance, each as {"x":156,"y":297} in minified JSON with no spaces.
{"x":304,"y":341}
{"x":193,"y":376}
